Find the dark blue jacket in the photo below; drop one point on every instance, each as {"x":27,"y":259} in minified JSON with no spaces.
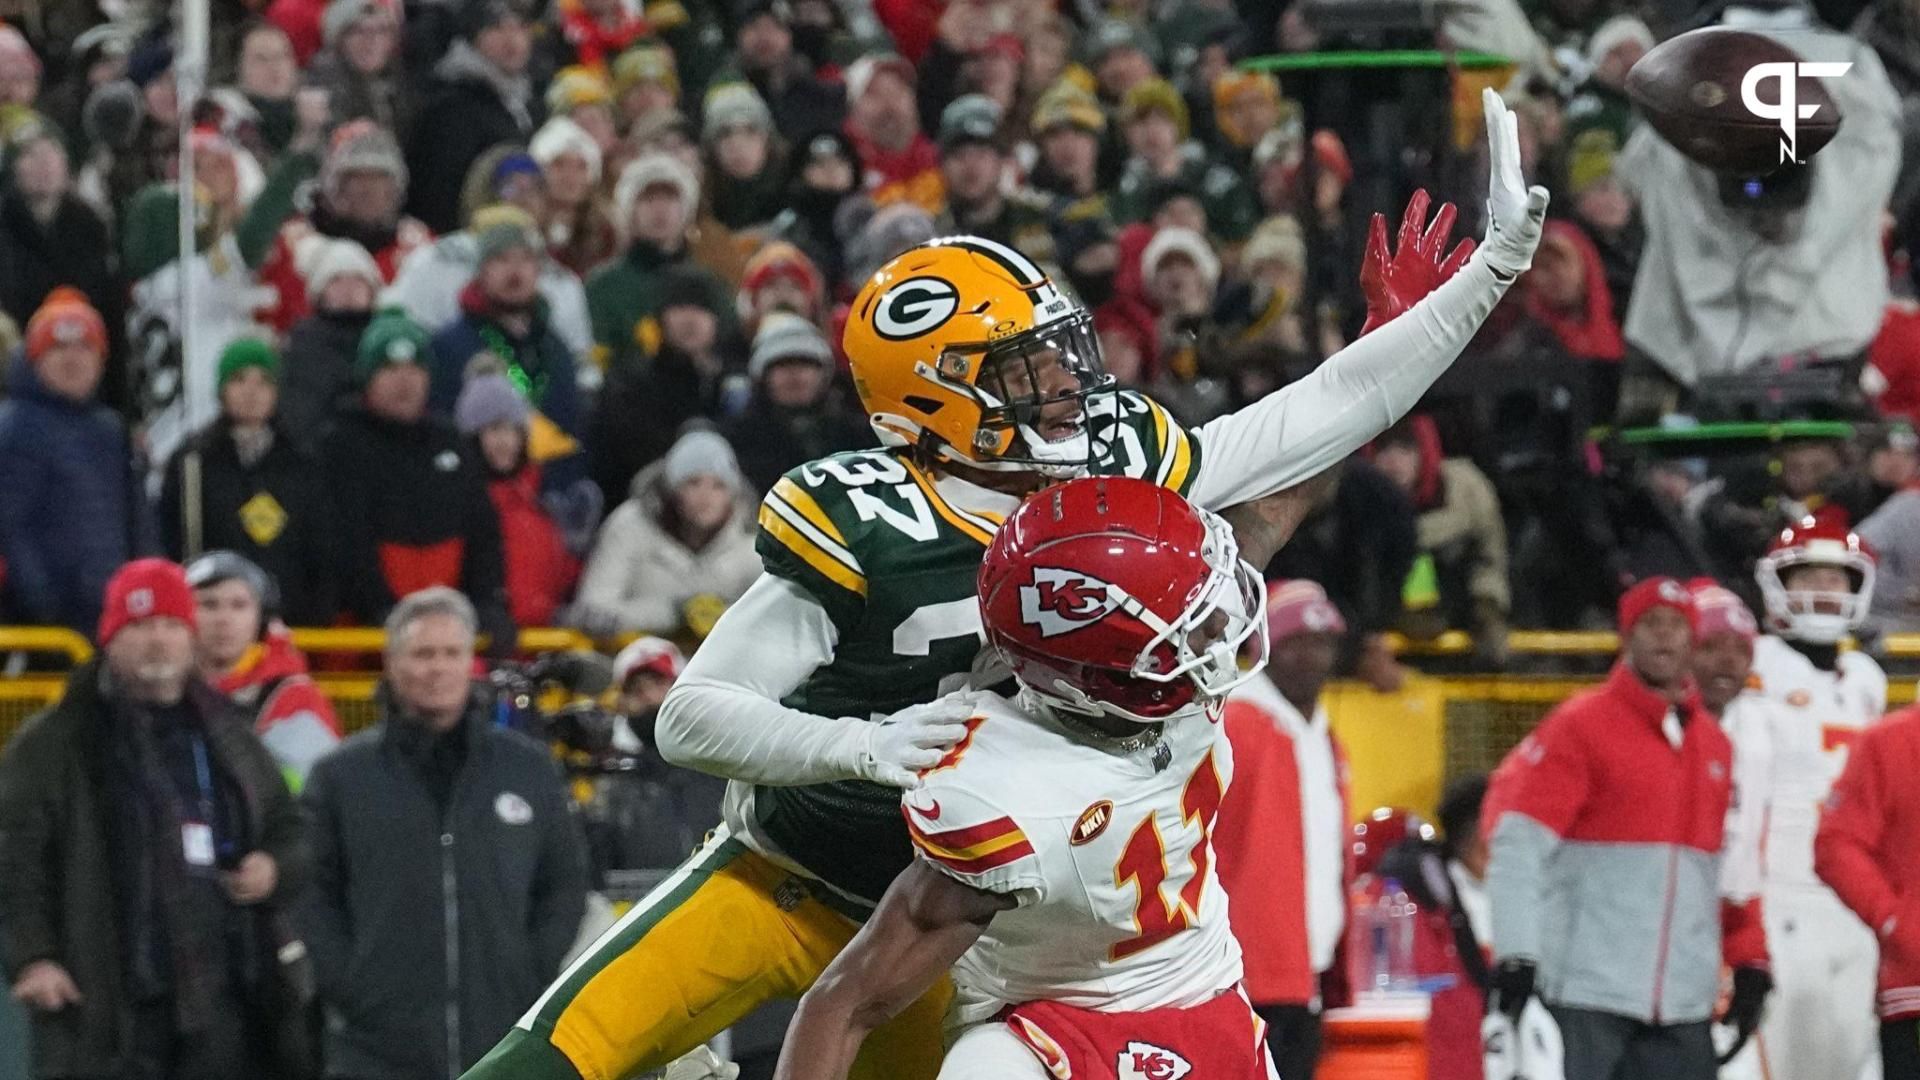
{"x":70,"y":511}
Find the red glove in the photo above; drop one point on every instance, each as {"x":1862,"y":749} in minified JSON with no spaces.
{"x":1393,"y":283}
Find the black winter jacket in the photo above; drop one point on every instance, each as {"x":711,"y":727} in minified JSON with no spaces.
{"x":57,"y":882}
{"x":275,"y":512}
{"x":484,"y":895}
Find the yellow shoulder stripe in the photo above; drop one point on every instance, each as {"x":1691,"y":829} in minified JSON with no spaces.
{"x":811,"y":553}
{"x":797,"y":497}
{"x":1176,"y":450}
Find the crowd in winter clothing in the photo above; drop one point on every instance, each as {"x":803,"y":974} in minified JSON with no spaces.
{"x":646,"y":220}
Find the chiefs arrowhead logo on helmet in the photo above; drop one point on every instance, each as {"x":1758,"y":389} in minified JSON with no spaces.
{"x":1063,"y":600}
{"x":1145,"y":1061}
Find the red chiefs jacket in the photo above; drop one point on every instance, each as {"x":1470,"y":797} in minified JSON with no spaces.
{"x":290,"y":714}
{"x":1606,"y":826}
{"x":1865,"y":851}
{"x":1288,"y":895}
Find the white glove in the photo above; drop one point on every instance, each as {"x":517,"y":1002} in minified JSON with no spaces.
{"x":913,"y":739}
{"x":700,"y":1063}
{"x":1514,"y":211}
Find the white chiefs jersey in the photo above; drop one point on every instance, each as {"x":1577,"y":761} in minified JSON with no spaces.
{"x":1791,"y":731}
{"x":1106,"y":851}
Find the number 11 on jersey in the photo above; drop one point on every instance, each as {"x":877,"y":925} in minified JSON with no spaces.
{"x":1144,"y":862}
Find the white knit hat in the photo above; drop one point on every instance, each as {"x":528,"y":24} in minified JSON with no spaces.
{"x":1278,"y":238}
{"x":701,"y":452}
{"x":323,"y":259}
{"x":786,"y":336}
{"x":734,"y":105}
{"x":560,"y":136}
{"x":1178,"y":241}
{"x":658,"y":167}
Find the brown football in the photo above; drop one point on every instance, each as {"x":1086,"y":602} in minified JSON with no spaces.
{"x":1689,"y":88}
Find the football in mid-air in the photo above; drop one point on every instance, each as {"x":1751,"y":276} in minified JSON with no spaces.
{"x":1689,"y":87}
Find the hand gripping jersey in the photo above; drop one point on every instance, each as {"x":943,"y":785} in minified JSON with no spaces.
{"x":1107,"y":852}
{"x":892,"y":555}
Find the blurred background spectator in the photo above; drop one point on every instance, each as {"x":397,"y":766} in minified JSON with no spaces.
{"x":443,"y":844}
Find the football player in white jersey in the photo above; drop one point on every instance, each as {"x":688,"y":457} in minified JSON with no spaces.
{"x":1808,"y":700}
{"x":1064,"y":872}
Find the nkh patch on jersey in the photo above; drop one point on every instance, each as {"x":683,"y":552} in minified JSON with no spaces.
{"x":872,"y":538}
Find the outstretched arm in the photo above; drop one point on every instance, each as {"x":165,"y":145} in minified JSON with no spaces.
{"x":1301,"y":429}
{"x":724,"y":715}
{"x":923,"y":924}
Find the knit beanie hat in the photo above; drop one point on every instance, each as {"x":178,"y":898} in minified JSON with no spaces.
{"x":244,"y":353}
{"x":561,"y":136}
{"x":510,"y":233}
{"x":652,"y":169}
{"x":577,"y":87}
{"x":322,"y":260}
{"x":1652,"y":593}
{"x":1718,"y":610}
{"x":787,"y":337}
{"x":1156,"y":95}
{"x":391,"y":338}
{"x":1300,"y":607}
{"x":489,"y":400}
{"x":1174,"y":240}
{"x":734,"y":105}
{"x":145,"y":589}
{"x":701,"y":453}
{"x":1065,"y":104}
{"x":780,"y":259}
{"x":342,"y":14}
{"x":651,"y":62}
{"x":65,"y":318}
{"x":362,"y":146}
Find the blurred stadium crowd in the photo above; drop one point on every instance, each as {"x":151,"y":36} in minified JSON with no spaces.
{"x":535,"y":299}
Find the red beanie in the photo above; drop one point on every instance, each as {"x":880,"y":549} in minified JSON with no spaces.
{"x":1653,"y":593}
{"x":1717,"y":610}
{"x":1300,"y":607}
{"x":65,"y":318}
{"x":145,"y":589}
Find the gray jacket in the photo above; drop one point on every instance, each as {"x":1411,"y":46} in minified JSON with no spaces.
{"x":432,"y":932}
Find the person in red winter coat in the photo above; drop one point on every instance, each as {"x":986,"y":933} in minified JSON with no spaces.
{"x":1864,"y":851}
{"x":247,"y":653}
{"x":541,"y":570}
{"x":1281,"y":835}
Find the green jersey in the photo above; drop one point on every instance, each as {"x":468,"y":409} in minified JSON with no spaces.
{"x":870,"y":536}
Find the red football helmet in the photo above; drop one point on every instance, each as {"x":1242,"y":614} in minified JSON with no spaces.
{"x":1115,"y":596}
{"x":1820,"y":616}
{"x":1382,"y":831}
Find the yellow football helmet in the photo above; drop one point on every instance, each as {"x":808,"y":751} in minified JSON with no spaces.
{"x":943,"y":342}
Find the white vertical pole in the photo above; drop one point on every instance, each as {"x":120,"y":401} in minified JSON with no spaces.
{"x":189,"y":78}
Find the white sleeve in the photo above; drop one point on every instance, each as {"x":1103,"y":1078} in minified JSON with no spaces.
{"x":1301,"y":429}
{"x":1742,"y":864}
{"x":723,"y":715}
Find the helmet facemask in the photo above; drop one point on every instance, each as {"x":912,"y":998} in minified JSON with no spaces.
{"x":1815,"y":616}
{"x":1013,"y":386}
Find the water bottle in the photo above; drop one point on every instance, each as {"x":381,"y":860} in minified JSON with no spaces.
{"x":1400,"y":939}
{"x":1380,"y":927}
{"x":1390,"y":930}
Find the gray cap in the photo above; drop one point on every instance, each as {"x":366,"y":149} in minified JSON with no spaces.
{"x":970,"y":118}
{"x":734,"y":105}
{"x":785,"y":336}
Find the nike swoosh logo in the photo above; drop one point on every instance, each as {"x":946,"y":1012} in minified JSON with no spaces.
{"x":931,"y":813}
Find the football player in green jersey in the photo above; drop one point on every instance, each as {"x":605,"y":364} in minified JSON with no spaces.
{"x":984,"y":383}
